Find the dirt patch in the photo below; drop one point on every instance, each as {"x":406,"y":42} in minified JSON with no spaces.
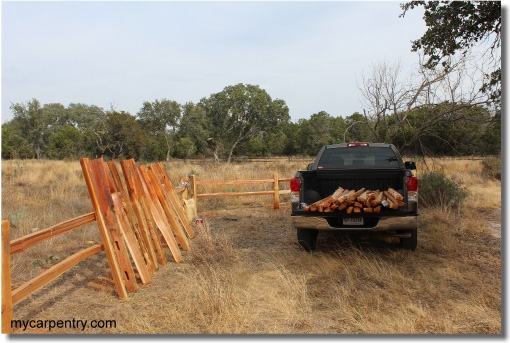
{"x":494,"y":222}
{"x":248,"y":275}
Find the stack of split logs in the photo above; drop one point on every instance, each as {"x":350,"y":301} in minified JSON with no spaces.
{"x":359,"y":201}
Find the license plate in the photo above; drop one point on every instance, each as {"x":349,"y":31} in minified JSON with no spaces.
{"x":353,"y":221}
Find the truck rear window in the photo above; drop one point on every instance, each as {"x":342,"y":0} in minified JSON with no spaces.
{"x":358,"y":157}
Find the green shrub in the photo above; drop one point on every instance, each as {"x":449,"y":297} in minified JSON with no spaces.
{"x":438,"y":190}
{"x":491,"y":167}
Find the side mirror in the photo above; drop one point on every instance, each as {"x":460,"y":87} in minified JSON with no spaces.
{"x":410,"y":165}
{"x":310,"y":166}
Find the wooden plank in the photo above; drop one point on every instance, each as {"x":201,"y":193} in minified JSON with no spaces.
{"x":105,"y":185}
{"x":152,"y":183}
{"x":165,"y":184}
{"x":139,"y":222}
{"x":52,"y":273}
{"x":193,"y":181}
{"x":276,"y":196}
{"x":233,"y":194}
{"x":141,"y":207}
{"x":142,"y":238}
{"x":150,"y":231}
{"x":239,"y":182}
{"x":176,"y":203}
{"x":234,"y":182}
{"x":157,"y":178}
{"x":20,"y":244}
{"x":6,"y":278}
{"x":108,"y":241}
{"x":131,"y":241}
{"x":159,"y":217}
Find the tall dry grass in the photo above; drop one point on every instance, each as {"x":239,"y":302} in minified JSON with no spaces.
{"x":246,"y":274}
{"x":484,"y":190}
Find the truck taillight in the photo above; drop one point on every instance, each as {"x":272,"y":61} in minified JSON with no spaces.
{"x":412,"y":184}
{"x":295,"y":184}
{"x":351,"y":144}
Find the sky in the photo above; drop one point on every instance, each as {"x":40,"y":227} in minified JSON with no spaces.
{"x":120,"y":54}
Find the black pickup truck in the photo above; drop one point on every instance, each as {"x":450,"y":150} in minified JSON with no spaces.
{"x":356,"y":165}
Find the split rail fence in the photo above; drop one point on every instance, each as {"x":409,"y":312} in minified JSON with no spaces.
{"x":136,"y":217}
{"x":275,"y":181}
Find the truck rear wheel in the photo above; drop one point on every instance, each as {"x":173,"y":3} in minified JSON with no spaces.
{"x":409,"y":243}
{"x":307,"y":238}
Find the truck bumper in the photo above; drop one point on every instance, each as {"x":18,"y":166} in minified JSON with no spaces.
{"x":384,"y":224}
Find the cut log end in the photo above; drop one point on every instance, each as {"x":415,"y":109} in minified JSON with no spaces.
{"x":362,"y":200}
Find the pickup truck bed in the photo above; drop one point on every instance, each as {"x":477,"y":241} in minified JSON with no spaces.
{"x":320,"y":182}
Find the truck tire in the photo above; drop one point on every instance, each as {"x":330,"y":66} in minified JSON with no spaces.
{"x":307,"y":238}
{"x":409,"y":243}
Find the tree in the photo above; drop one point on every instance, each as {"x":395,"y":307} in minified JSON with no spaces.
{"x":85,"y":117}
{"x":66,"y":143}
{"x":463,"y":134}
{"x":185,"y":148}
{"x":13,"y":143}
{"x":458,"y":26}
{"x":239,"y":113}
{"x":357,"y":129}
{"x":321,"y":129}
{"x":255,"y":147}
{"x":194,"y":126}
{"x":160,"y":118}
{"x":275,"y":143}
{"x":293,"y":132}
{"x":389,"y":100}
{"x":56,"y":115}
{"x":491,"y":138}
{"x":119,"y":136}
{"x":34,"y":124}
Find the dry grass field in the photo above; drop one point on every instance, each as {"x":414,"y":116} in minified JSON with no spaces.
{"x":245,"y":273}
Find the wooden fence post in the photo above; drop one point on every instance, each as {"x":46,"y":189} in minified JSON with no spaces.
{"x":6,"y":278}
{"x":194,"y":190}
{"x":276,"y":192}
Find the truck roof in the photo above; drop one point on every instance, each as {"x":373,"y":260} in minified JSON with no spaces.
{"x":344,"y":145}
{"x":357,"y":155}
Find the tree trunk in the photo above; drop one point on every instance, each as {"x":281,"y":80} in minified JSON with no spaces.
{"x":216,"y":155}
{"x":38,"y":153}
{"x":168,"y":147}
{"x":232,"y":151}
{"x":239,"y":138}
{"x":167,"y":155}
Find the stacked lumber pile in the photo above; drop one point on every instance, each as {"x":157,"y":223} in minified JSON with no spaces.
{"x":362,"y":200}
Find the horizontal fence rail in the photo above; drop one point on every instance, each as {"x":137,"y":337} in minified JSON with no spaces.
{"x":32,"y":286}
{"x":303,"y":159}
{"x":12,"y":297}
{"x":134,"y":217}
{"x":275,"y":181}
{"x":19,"y":245}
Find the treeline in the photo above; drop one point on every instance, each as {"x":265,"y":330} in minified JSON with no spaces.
{"x":241,"y":120}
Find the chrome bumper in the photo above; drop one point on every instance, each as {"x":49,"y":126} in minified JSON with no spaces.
{"x":384,"y":224}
